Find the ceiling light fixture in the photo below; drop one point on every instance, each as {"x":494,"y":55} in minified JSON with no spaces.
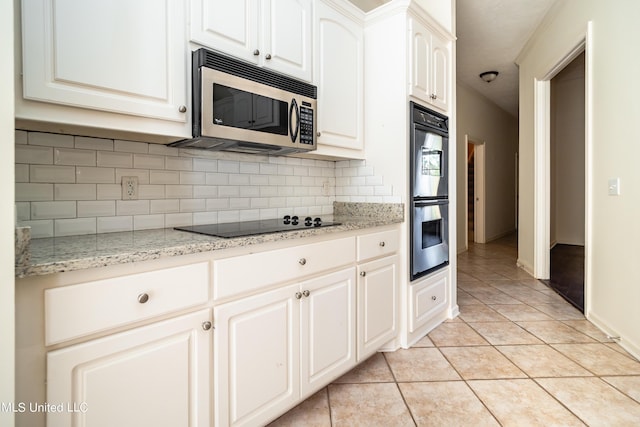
{"x":489,"y":76}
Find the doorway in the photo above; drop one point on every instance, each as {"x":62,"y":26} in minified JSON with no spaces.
{"x":475,"y":190}
{"x":567,"y":182}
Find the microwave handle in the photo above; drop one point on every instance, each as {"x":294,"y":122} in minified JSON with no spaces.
{"x":294,"y":132}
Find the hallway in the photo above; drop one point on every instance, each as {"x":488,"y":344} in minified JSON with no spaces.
{"x":518,"y":354}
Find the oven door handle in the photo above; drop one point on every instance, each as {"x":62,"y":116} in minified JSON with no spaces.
{"x":424,"y":203}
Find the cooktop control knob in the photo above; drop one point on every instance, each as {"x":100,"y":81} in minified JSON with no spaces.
{"x":307,"y":221}
{"x":287,"y":219}
{"x":317,"y":222}
{"x":294,"y":220}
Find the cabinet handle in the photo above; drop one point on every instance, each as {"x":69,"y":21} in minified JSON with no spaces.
{"x":206,"y":325}
{"x":306,"y":293}
{"x":183,"y":109}
{"x":434,"y":298}
{"x":267,"y":56}
{"x":302,"y":261}
{"x":433,"y":96}
{"x":142,"y":298}
{"x":382,"y":244}
{"x":318,"y":134}
{"x":256,"y":52}
{"x":363,"y":273}
{"x":298,"y":295}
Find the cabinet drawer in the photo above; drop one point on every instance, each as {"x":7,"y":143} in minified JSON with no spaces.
{"x":247,"y":273}
{"x":78,"y":310}
{"x":425,"y":300}
{"x":377,"y":244}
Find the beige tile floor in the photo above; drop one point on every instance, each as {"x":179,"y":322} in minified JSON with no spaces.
{"x":518,"y":355}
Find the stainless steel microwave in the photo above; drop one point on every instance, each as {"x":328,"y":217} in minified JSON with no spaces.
{"x":240,"y":107}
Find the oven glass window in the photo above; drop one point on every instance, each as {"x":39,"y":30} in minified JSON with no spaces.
{"x":240,"y":109}
{"x":431,"y":233}
{"x":431,"y":162}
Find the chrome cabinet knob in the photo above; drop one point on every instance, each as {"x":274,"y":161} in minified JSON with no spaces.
{"x":363,"y":273}
{"x":298,"y":295}
{"x":318,"y":133}
{"x":433,"y":96}
{"x":306,"y":293}
{"x":206,"y":325}
{"x":267,"y":56}
{"x":142,"y":298}
{"x":256,"y":52}
{"x":434,"y":298}
{"x":382,"y":244}
{"x":182,"y":109}
{"x":302,"y":261}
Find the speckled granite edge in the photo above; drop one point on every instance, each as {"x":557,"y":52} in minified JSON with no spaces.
{"x":60,"y":254}
{"x":390,"y":211}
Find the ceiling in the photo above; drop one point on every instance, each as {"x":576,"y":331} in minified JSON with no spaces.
{"x":490,"y":35}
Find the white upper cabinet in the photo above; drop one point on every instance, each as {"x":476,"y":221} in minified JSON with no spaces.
{"x":117,"y":56}
{"x":275,"y":34}
{"x":339,"y":64}
{"x":429,"y":65}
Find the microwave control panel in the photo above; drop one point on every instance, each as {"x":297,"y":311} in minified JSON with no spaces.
{"x":306,"y":125}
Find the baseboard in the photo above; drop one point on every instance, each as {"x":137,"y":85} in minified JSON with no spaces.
{"x":526,"y":267}
{"x":500,"y":235}
{"x":631,"y":347}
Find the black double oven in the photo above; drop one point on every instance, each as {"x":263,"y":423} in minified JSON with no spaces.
{"x":429,"y":187}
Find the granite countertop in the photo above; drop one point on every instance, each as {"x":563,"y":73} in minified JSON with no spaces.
{"x":60,"y":254}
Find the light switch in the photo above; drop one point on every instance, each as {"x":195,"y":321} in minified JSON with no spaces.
{"x":614,"y":186}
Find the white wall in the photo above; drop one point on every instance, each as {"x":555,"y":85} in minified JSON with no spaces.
{"x":613,"y":80}
{"x":7,"y":331}
{"x":485,"y":122}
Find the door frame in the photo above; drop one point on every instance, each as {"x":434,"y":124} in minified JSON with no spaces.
{"x":542,"y":161}
{"x":479,"y":207}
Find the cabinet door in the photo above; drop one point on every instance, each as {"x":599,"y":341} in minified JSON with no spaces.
{"x":377,"y":304}
{"x":286,"y":37}
{"x":157,"y":375}
{"x":328,"y":317}
{"x":117,"y":56}
{"x":256,"y":354}
{"x":227,"y":26}
{"x":420,"y":61}
{"x":440,"y":73}
{"x":339,"y":60}
{"x":427,"y":299}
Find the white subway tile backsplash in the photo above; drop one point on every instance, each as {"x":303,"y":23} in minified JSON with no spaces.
{"x":74,"y":227}
{"x":50,"y":139}
{"x":178,"y":219}
{"x":22,"y":173}
{"x":109,"y":191}
{"x":69,"y":156}
{"x":39,"y":229}
{"x":132,"y":207}
{"x":111,"y":224}
{"x":114,"y":159}
{"x":86,"y":174}
{"x":192,"y":178}
{"x":96,"y":144}
{"x":164,"y":206}
{"x":148,"y":161}
{"x":147,"y":222}
{"x":178,"y":191}
{"x":179,"y":163}
{"x":27,"y":192}
{"x":34,"y":155}
{"x":53,"y":210}
{"x":55,"y":174}
{"x":96,"y":208}
{"x":131,"y":147}
{"x":59,"y":177}
{"x":164,"y":177}
{"x":74,"y":191}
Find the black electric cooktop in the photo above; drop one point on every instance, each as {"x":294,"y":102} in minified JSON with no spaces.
{"x":250,"y":228}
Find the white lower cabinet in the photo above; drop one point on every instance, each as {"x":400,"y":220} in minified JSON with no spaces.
{"x":277,"y":347}
{"x":428,"y":301}
{"x":156,"y":375}
{"x":377,"y":304}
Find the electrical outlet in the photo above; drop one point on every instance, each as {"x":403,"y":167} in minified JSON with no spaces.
{"x":326,"y":189}
{"x":129,"y":188}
